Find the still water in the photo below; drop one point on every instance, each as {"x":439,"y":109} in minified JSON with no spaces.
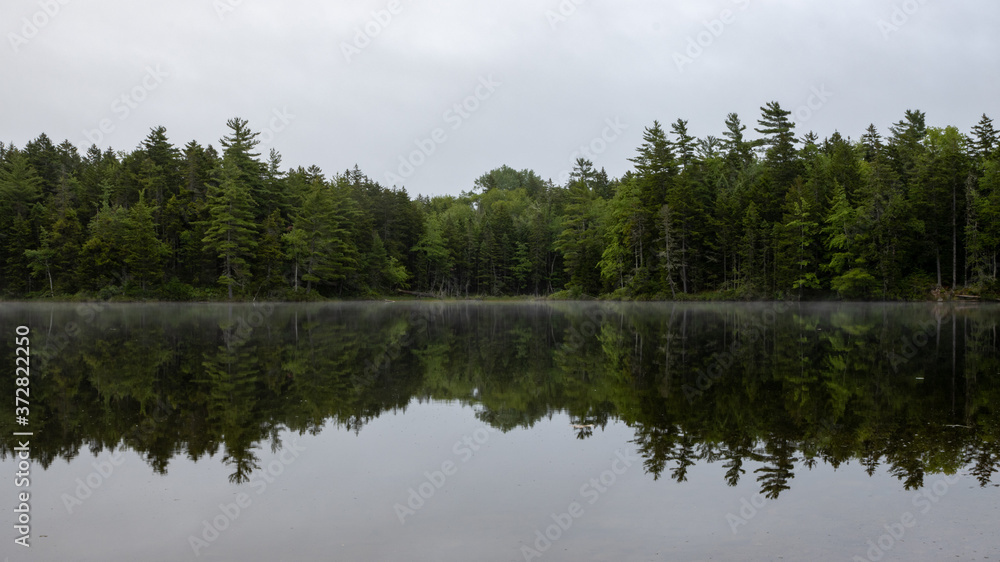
{"x":505,"y":431}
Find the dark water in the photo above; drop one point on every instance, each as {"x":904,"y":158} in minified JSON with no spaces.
{"x":485,"y":431}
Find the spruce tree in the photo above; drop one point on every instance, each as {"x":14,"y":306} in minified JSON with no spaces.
{"x":231,"y":233}
{"x":984,"y":139}
{"x":144,"y":251}
{"x":851,"y":277}
{"x":238,"y":151}
{"x":321,"y":239}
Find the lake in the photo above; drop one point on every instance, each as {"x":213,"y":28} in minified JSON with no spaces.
{"x":505,"y":431}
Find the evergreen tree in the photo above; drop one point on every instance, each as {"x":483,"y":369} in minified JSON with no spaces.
{"x":984,"y":139}
{"x":238,"y":153}
{"x":668,"y":254}
{"x":851,"y":278}
{"x":845,"y":167}
{"x":270,"y":257}
{"x":876,"y":218}
{"x":887,"y":217}
{"x":231,"y":233}
{"x":753,"y":264}
{"x":433,"y":255}
{"x":161,"y":171}
{"x":684,"y":144}
{"x":985,"y":245}
{"x":871,"y":141}
{"x":296,"y":247}
{"x":623,"y":264}
{"x":739,"y":151}
{"x":938,"y":191}
{"x":797,"y":248}
{"x":581,"y":237}
{"x":323,"y":250}
{"x":41,"y":260}
{"x":20,"y":186}
{"x":20,"y":190}
{"x":57,"y":257}
{"x":781,"y":158}
{"x":385,"y":273}
{"x":906,"y":144}
{"x":105,"y":250}
{"x":144,"y":251}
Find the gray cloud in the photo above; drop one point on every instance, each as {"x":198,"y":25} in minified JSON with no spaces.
{"x":564,"y":68}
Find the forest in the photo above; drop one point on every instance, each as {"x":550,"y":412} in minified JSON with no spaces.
{"x":912,"y":215}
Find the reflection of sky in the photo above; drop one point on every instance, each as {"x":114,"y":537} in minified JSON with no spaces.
{"x":335,"y":502}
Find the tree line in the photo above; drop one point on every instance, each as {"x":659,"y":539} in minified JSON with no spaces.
{"x":736,"y":216}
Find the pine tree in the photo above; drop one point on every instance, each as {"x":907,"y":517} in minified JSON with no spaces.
{"x":580,"y":239}
{"x":655,"y":162}
{"x":105,"y":250}
{"x":18,"y":238}
{"x":906,"y":144}
{"x":144,"y":251}
{"x":986,"y":204}
{"x":323,"y":250}
{"x":753,"y":249}
{"x":781,"y":158}
{"x":57,"y":257}
{"x":887,"y":217}
{"x":845,"y":166}
{"x":433,"y":255}
{"x":872,"y":143}
{"x":161,"y":171}
{"x":656,"y":170}
{"x":20,"y":185}
{"x":231,"y":233}
{"x":238,"y":151}
{"x":797,"y":247}
{"x":273,"y":194}
{"x":45,"y":159}
{"x":522,"y":267}
{"x":684,"y":144}
{"x":623,"y":263}
{"x":497,"y":249}
{"x":297,"y":250}
{"x":976,"y":252}
{"x":851,"y":279}
{"x":270,"y":257}
{"x":668,"y":261}
{"x":938,"y":190}
{"x":739,"y":152}
{"x":385,"y":273}
{"x":20,"y":189}
{"x":984,"y":139}
{"x":41,"y":260}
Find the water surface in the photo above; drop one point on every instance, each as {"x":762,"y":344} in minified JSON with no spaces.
{"x":470,"y":431}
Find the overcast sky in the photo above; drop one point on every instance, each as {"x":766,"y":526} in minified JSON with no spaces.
{"x":471,"y":86}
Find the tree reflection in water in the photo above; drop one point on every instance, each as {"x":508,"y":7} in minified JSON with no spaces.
{"x":761,"y":388}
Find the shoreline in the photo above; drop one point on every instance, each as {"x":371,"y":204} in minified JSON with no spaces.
{"x":708,"y":298}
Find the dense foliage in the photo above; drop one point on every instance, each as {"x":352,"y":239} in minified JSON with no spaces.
{"x":774,"y":215}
